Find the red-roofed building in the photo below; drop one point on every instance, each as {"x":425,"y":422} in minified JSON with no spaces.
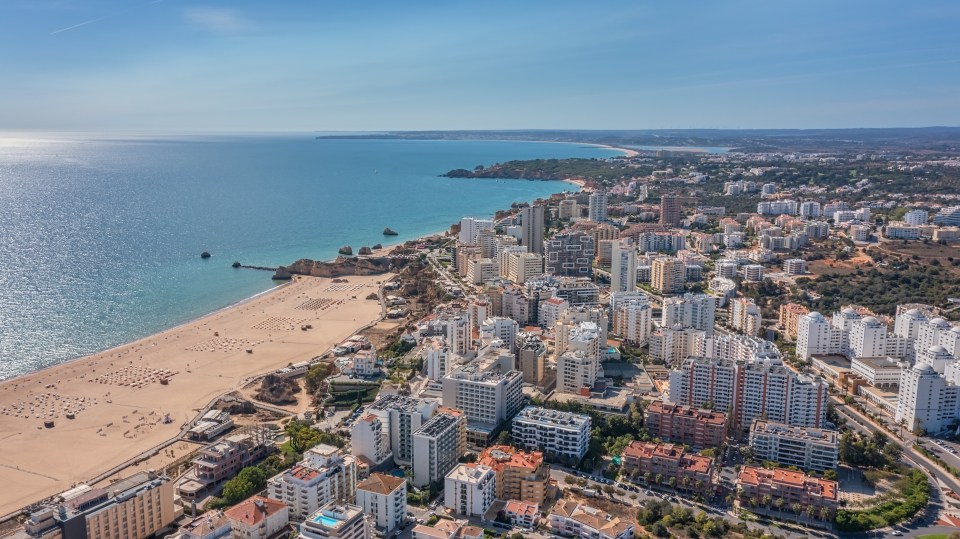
{"x":685,"y":424}
{"x":522,"y":514}
{"x":805,"y":498}
{"x":521,"y":475}
{"x":646,"y":462}
{"x":258,"y":518}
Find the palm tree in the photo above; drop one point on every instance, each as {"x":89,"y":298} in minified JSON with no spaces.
{"x":797,"y":508}
{"x":672,"y":481}
{"x":659,"y":478}
{"x":767,"y":499}
{"x":685,"y":483}
{"x":647,"y":477}
{"x":824,"y":513}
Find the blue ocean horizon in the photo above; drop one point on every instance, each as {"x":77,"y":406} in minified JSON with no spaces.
{"x":101,"y":237}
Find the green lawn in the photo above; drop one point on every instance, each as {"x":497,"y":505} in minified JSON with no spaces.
{"x":934,"y":536}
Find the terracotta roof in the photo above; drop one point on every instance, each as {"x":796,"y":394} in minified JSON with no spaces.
{"x":254,"y":510}
{"x":381,"y":483}
{"x":518,"y":507}
{"x":500,"y":456}
{"x":303,"y":473}
{"x":823,"y":488}
{"x":707,"y":416}
{"x":690,"y":462}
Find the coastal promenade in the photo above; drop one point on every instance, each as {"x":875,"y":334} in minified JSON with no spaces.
{"x":129,"y":399}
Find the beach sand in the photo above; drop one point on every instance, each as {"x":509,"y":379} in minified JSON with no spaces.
{"x":119,"y":403}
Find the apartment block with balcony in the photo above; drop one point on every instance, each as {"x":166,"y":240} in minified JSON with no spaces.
{"x":652,"y":463}
{"x":685,"y":424}
{"x":787,"y":494}
{"x":438,"y":445}
{"x":803,"y":447}
{"x":384,"y":498}
{"x":520,"y":475}
{"x":561,"y":436}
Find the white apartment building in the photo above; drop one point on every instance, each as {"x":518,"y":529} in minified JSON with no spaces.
{"x":561,"y":436}
{"x":817,"y":337}
{"x":916,"y":217}
{"x":498,"y":328}
{"x":383,"y":497}
{"x":937,"y":332}
{"x":576,"y":370}
{"x":437,"y":445}
{"x":552,"y":310}
{"x":568,"y":209}
{"x":579,"y":337}
{"x":324,"y":475}
{"x":795,"y":266}
{"x":336,"y":521}
{"x":727,"y":268}
{"x":777,"y":207}
{"x":487,"y":390}
{"x":859,"y":233}
{"x":623,"y":267}
{"x":470,"y":228}
{"x":470,"y":489}
{"x":753,"y":272}
{"x":927,"y":401}
{"x":869,"y":338}
{"x":697,"y":311}
{"x":438,"y":358}
{"x":673,"y":345}
{"x":898,"y":230}
{"x":369,"y":439}
{"x":633,"y":321}
{"x":598,"y":207}
{"x":745,"y":316}
{"x":803,"y":447}
{"x":402,"y":416}
{"x":810,"y":208}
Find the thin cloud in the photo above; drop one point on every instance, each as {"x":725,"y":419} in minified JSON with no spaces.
{"x":104,"y":17}
{"x":218,"y":20}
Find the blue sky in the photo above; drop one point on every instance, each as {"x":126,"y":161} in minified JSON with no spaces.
{"x":191,"y":65}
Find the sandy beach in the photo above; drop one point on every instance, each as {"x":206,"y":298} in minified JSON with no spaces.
{"x":117,"y":398}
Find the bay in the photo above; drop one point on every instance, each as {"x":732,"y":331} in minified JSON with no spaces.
{"x":100,"y":238}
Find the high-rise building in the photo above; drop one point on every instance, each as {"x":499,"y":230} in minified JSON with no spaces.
{"x":623,"y":267}
{"x":531,"y":229}
{"x":523,"y":266}
{"x":670,"y":210}
{"x":598,"y":206}
{"x":667,"y":275}
{"x":531,"y":358}
{"x":750,"y":390}
{"x":470,"y":228}
{"x":520,"y":475}
{"x":502,"y":329}
{"x":697,"y":311}
{"x":927,"y":401}
{"x":570,"y":254}
{"x":632,"y":321}
{"x":561,"y":436}
{"x":401,"y":416}
{"x":568,"y":209}
{"x":487,"y":391}
{"x":916,"y":217}
{"x":745,"y":316}
{"x":438,"y":444}
{"x":324,"y":475}
{"x":817,"y":337}
{"x":470,"y":489}
{"x":369,"y":440}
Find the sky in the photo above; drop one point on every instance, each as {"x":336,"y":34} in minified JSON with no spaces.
{"x":318,"y":65}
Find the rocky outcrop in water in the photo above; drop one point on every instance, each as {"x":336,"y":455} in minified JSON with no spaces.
{"x":377,"y":247}
{"x":282,"y":274}
{"x":364,"y":251}
{"x":343,"y":266}
{"x":390,"y":232}
{"x":346,"y":250}
{"x":205,"y":255}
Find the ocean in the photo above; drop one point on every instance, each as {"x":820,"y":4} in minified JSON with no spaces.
{"x":100,"y":238}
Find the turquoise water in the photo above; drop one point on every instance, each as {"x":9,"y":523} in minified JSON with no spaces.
{"x":100,"y":240}
{"x":327,"y":521}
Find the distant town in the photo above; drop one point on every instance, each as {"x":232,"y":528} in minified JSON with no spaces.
{"x":732,"y":343}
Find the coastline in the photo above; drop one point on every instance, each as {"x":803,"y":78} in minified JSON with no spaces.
{"x":119,"y":404}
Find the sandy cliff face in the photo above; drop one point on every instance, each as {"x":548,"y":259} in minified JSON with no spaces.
{"x":342,"y":266}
